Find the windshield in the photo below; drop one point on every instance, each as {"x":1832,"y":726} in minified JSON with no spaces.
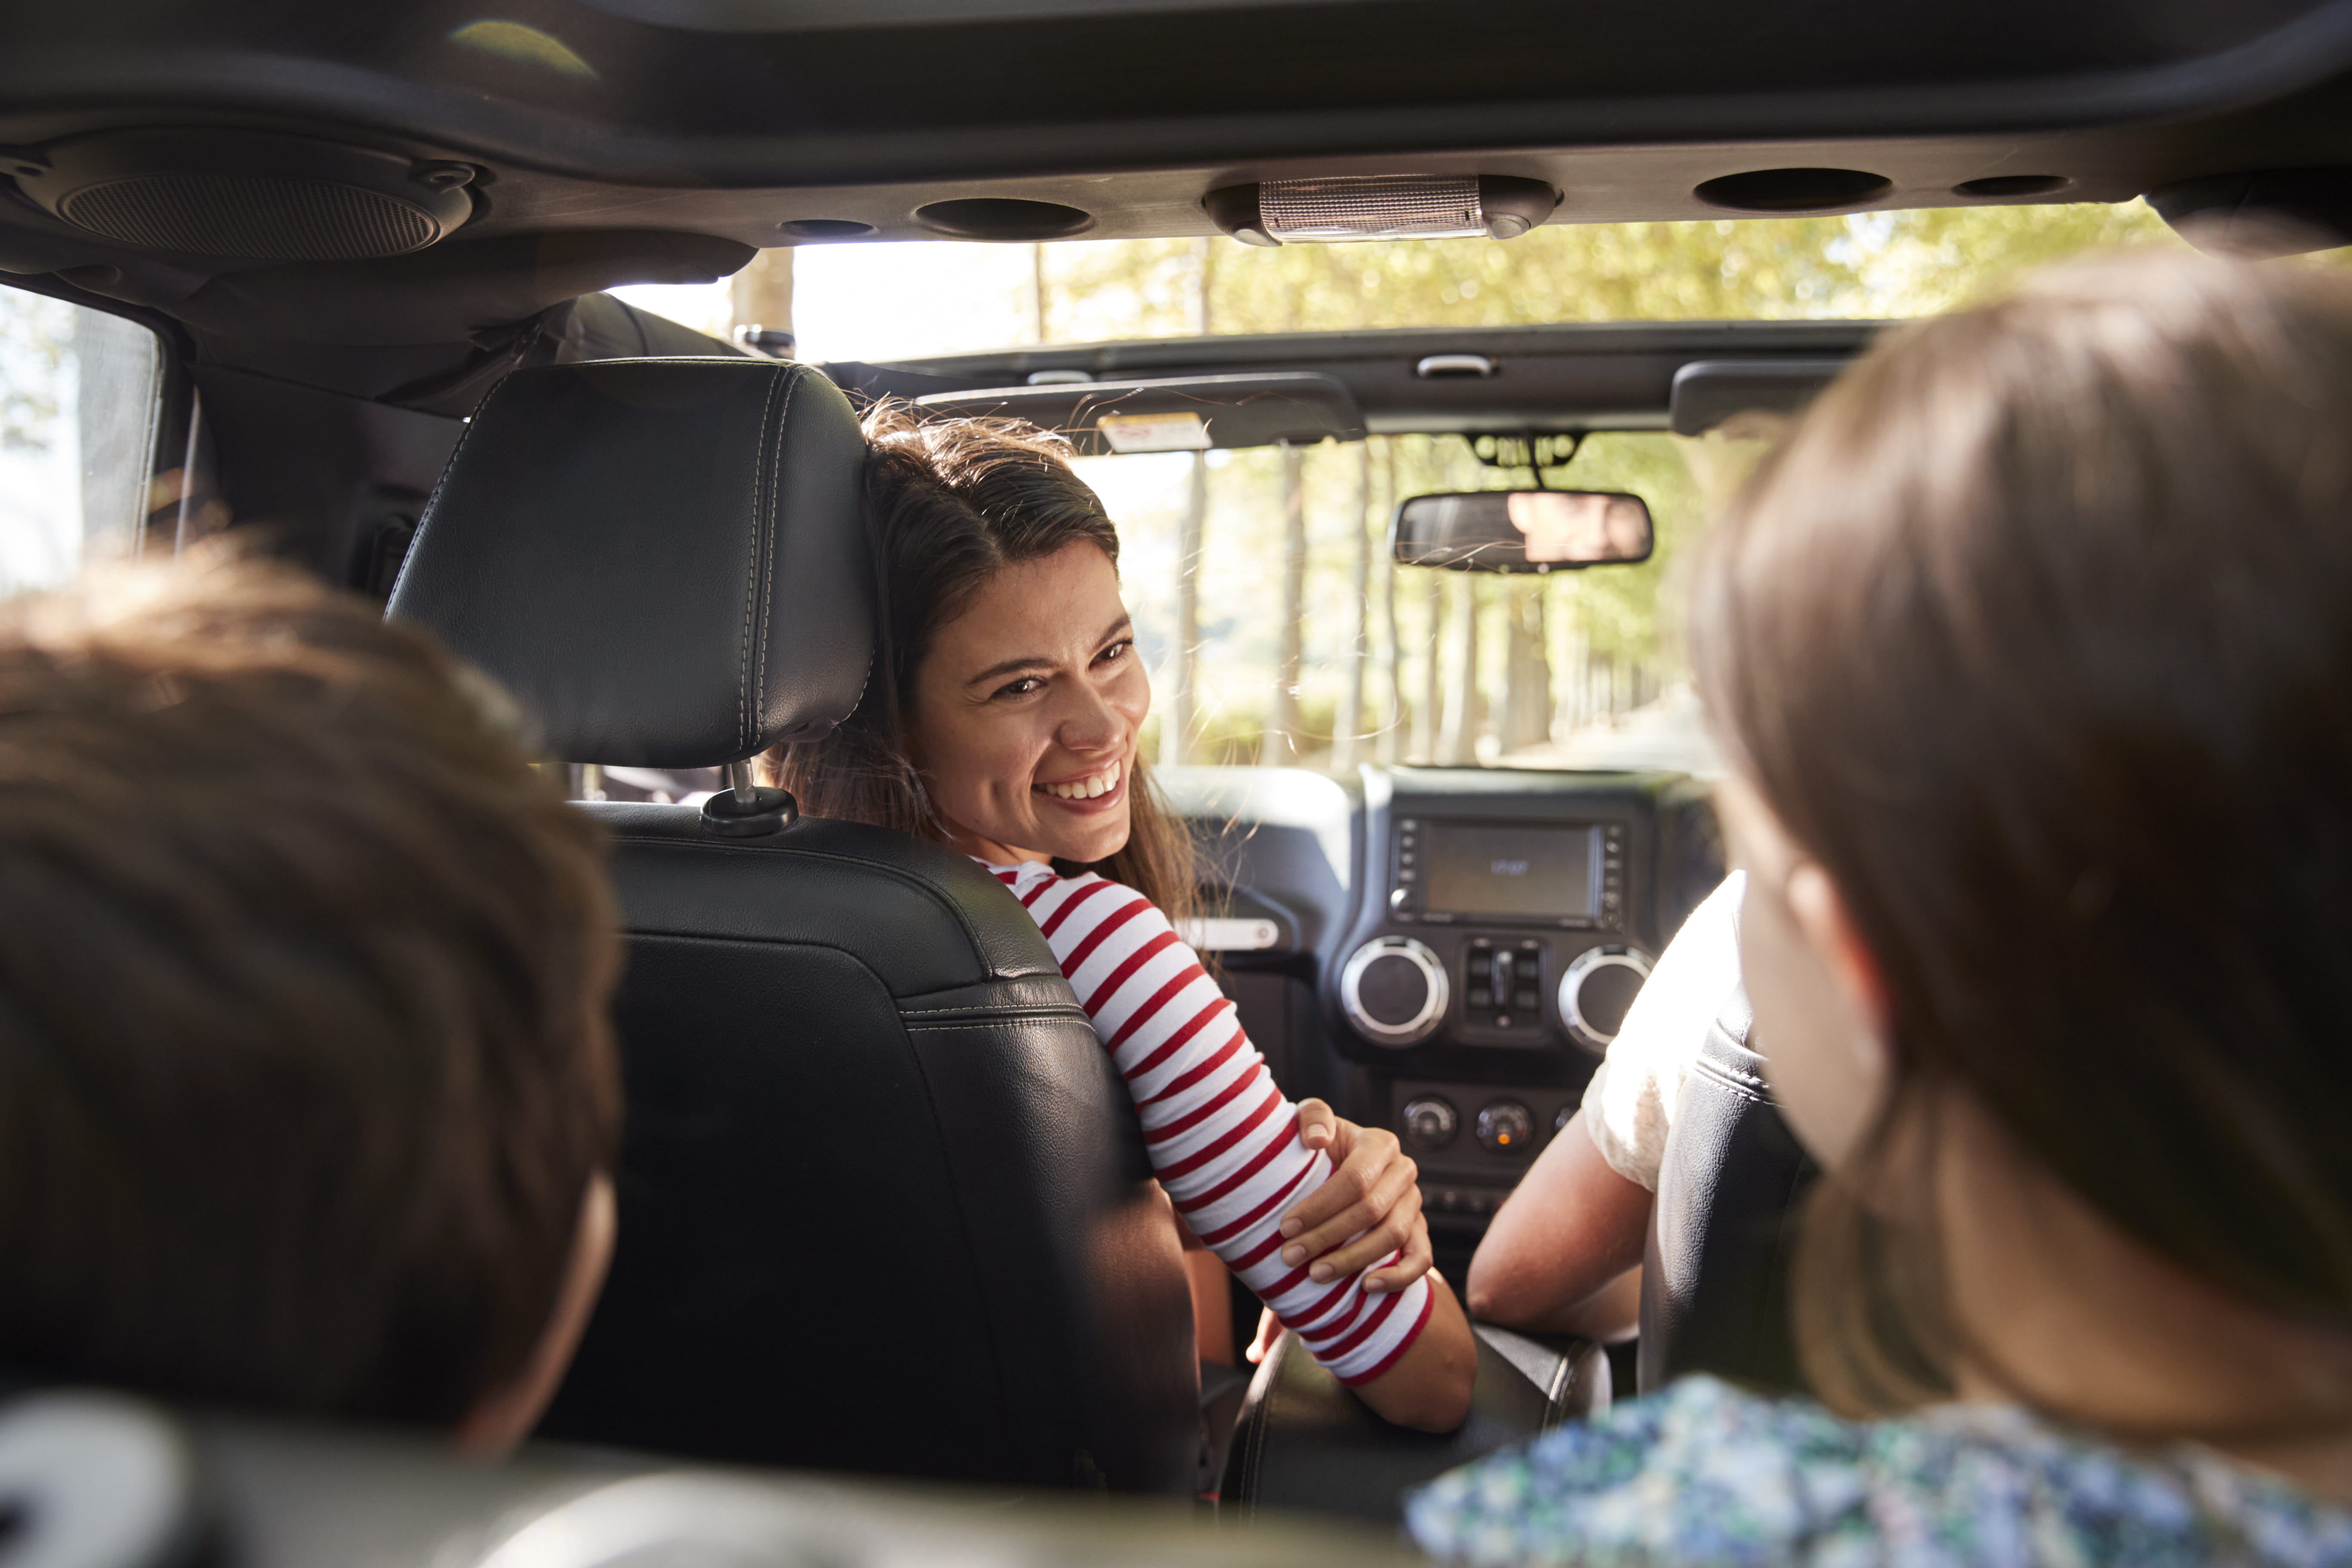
{"x":1276,"y":629}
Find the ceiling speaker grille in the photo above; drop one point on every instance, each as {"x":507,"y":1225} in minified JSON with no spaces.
{"x":257,"y":216}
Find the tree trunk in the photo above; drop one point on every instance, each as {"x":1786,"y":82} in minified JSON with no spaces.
{"x":762,"y":294}
{"x":1037,"y":293}
{"x":1393,"y":645}
{"x":1575,"y":681}
{"x":1178,"y":719}
{"x":1457,"y":742}
{"x":1348,"y":728}
{"x":1433,"y":675}
{"x":1527,"y":669}
{"x":1283,"y":739}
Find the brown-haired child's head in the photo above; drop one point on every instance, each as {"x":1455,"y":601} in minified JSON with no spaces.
{"x":2035,"y":641}
{"x":306,"y":1084}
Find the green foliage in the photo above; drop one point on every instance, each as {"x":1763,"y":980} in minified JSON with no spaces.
{"x":36,"y":350}
{"x":1873,"y":265}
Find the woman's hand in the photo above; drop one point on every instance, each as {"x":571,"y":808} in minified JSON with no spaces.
{"x":1369,"y":1208}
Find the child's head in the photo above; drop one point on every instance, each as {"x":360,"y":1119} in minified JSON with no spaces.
{"x":2033,"y":651}
{"x":306,"y":1086}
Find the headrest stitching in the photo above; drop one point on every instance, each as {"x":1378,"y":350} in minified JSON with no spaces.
{"x":433,"y":501}
{"x":752,"y":579}
{"x":776,"y":533}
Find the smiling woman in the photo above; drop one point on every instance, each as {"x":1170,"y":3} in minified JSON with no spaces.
{"x":1024,"y":724}
{"x":1005,"y":724}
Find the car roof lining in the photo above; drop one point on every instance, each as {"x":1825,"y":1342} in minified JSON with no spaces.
{"x":663,"y":141}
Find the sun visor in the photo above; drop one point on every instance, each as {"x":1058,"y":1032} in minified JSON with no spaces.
{"x":1708,"y":392}
{"x":1180,"y":414}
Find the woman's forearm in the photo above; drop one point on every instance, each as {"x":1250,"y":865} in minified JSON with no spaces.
{"x":1429,"y":1388}
{"x":1221,"y":1136}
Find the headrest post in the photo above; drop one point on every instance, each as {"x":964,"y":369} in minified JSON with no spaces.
{"x":743,"y":810}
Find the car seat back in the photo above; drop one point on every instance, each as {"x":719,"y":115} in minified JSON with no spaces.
{"x":1716,"y":1265}
{"x":884,"y":1204}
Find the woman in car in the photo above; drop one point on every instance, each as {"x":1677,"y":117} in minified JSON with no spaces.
{"x":1005,"y":724}
{"x":2033,"y":651}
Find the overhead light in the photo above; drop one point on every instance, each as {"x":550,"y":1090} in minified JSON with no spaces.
{"x":1382,"y":206}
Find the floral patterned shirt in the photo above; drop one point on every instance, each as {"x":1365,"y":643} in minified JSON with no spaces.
{"x":1704,"y":1473}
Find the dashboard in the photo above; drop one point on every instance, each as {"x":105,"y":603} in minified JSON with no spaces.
{"x":1446,"y":952}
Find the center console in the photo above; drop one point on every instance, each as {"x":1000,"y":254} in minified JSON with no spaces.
{"x":1506,"y":924}
{"x":1446,"y":952}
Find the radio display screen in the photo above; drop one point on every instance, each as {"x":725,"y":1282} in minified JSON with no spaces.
{"x":1495,"y":869}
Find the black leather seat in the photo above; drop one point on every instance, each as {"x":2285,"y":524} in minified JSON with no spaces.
{"x":1305,"y":1444}
{"x":1723,"y":1231}
{"x":884,"y":1206}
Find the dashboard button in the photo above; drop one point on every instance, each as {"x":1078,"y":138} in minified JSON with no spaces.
{"x":1430,"y":1122}
{"x":1505,"y":1127}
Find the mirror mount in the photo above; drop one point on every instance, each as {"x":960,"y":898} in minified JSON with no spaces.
{"x":1534,"y":450}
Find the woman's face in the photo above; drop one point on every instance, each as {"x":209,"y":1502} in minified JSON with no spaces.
{"x":1026,"y":711}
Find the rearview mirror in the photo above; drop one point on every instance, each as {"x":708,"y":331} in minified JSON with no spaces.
{"x":1521,"y":530}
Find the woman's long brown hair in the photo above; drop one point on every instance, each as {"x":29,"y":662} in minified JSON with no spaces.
{"x":952,"y":503}
{"x":2037,"y":636}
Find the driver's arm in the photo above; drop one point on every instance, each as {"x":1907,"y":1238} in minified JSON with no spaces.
{"x":1573,"y":1227}
{"x":1556,"y":1257}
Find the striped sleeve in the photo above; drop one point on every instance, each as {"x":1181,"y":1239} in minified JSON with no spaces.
{"x":1222,"y":1136}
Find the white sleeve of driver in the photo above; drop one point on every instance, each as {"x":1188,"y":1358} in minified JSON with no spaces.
{"x":1629,"y":1108}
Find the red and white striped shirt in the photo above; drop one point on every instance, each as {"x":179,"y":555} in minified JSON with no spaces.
{"x":1222,"y":1137}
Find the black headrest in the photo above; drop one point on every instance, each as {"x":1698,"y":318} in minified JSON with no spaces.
{"x":664,"y":560}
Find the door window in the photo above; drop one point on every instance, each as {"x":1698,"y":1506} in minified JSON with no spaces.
{"x":80,"y":390}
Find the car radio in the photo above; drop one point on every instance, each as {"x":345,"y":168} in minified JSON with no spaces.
{"x":1454,"y":871}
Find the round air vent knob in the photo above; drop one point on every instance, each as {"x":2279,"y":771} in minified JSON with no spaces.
{"x":1430,"y":1122}
{"x":1507,"y":1127}
{"x":1393,"y":990}
{"x":1598,"y":990}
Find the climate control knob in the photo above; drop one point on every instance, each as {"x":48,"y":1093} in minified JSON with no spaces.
{"x":1393,"y":990}
{"x":1597,"y":991}
{"x":1507,"y":1127}
{"x":1430,"y":1122}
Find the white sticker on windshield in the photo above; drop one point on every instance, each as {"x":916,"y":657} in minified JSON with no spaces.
{"x":1154,"y":432}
